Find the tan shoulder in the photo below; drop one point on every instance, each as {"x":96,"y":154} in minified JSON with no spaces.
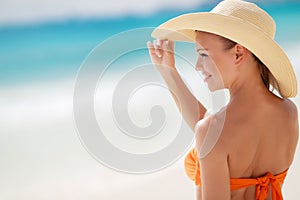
{"x":202,"y":124}
{"x":291,"y":108}
{"x":288,"y":114}
{"x":208,"y":132}
{"x":292,"y":117}
{"x":201,"y":129}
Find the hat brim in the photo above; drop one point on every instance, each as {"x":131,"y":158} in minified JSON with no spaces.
{"x":183,"y":28}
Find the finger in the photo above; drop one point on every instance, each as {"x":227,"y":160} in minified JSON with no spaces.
{"x":157,"y":47}
{"x":165,"y":45}
{"x":171,"y":45}
{"x":168,"y":46}
{"x":152,"y":49}
{"x":159,"y":42}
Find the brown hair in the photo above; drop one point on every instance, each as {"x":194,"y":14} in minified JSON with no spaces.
{"x":267,"y":77}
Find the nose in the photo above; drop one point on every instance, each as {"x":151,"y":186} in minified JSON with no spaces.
{"x":199,"y":64}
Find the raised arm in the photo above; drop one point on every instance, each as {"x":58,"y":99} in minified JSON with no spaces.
{"x":162,"y":56}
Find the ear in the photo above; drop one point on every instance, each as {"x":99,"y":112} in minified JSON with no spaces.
{"x":240,"y":54}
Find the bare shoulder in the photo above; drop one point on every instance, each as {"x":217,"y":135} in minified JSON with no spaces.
{"x":213,"y":160}
{"x":292,"y":118}
{"x":203,"y":124}
{"x":287,"y":114}
{"x":201,"y":129}
{"x":208,"y":132}
{"x":291,"y":108}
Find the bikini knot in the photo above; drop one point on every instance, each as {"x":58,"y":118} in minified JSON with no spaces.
{"x":262,"y":188}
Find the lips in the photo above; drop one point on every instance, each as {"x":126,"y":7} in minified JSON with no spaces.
{"x":206,"y":76}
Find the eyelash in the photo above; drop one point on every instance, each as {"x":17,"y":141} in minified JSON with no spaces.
{"x":203,"y":55}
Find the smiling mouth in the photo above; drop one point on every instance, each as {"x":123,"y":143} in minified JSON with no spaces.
{"x":207,"y":77}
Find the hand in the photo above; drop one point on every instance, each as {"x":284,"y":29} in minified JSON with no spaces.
{"x":162,"y":53}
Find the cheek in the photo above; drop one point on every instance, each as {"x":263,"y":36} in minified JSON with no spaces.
{"x":210,"y":65}
{"x":219,"y":67}
{"x":214,"y":66}
{"x":222,"y":68}
{"x":226,"y":69}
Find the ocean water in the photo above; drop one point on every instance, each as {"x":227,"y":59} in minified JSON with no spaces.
{"x":41,"y":155}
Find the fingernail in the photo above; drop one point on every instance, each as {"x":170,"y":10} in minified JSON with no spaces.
{"x":158,"y":53}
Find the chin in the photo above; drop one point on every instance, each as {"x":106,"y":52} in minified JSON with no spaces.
{"x":213,"y":88}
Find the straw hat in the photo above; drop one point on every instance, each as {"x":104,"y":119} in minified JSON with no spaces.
{"x":241,"y":22}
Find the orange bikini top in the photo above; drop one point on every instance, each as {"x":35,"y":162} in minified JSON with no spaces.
{"x":262,"y":183}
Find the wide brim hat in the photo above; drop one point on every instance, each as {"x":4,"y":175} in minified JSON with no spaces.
{"x":244,"y":23}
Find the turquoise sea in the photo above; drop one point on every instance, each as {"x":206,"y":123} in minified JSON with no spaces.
{"x":41,"y":156}
{"x":35,"y":52}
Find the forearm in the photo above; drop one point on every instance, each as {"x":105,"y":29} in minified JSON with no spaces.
{"x":191,"y":109}
{"x":162,"y":56}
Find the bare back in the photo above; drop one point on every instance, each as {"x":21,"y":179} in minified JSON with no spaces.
{"x":263,"y":136}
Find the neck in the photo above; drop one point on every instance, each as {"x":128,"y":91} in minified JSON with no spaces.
{"x":247,"y":88}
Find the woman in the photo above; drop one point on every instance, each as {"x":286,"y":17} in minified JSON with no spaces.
{"x":244,"y":150}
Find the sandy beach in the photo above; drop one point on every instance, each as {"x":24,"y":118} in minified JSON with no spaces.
{"x":42,"y":156}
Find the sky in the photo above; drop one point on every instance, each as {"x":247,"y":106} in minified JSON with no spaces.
{"x":39,"y":11}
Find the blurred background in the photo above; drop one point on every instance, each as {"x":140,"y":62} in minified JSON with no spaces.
{"x":42,"y":45}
